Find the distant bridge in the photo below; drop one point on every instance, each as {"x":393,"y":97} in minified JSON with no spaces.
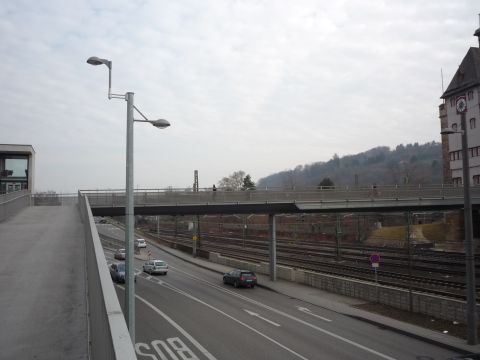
{"x":275,"y":201}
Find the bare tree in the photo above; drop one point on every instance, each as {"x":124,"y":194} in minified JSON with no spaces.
{"x":233,"y":181}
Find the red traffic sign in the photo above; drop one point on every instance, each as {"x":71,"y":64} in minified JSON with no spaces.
{"x":375,"y":258}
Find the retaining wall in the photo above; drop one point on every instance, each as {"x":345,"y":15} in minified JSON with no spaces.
{"x":436,"y":306}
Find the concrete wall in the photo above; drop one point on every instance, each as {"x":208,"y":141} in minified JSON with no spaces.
{"x":109,"y":336}
{"x":436,"y":306}
{"x":12,"y":203}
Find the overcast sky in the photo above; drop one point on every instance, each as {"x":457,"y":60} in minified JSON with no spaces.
{"x":253,"y":85}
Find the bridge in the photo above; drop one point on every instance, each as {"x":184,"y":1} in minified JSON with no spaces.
{"x":276,"y":201}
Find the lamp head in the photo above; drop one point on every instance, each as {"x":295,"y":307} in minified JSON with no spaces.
{"x":160,"y":123}
{"x":93,"y":60}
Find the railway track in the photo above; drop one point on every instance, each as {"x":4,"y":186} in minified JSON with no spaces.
{"x":440,"y":275}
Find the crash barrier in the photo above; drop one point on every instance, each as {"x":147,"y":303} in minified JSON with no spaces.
{"x":13,"y":202}
{"x":108,"y":334}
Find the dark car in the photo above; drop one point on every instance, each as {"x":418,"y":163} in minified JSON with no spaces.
{"x":238,"y":278}
{"x":117,"y":272}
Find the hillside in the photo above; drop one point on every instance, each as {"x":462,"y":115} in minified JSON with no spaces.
{"x":406,"y":164}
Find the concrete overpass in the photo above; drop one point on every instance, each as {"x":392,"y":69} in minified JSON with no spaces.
{"x":273,"y":201}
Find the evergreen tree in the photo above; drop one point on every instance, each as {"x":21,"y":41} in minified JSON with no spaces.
{"x":248,"y":184}
{"x":326,"y":182}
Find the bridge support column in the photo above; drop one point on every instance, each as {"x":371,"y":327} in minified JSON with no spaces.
{"x":272,"y":247}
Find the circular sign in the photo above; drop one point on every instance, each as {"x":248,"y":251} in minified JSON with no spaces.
{"x":375,"y":258}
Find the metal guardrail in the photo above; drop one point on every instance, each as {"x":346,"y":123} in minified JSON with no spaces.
{"x":13,"y":202}
{"x":207,"y":196}
{"x":108,"y":334}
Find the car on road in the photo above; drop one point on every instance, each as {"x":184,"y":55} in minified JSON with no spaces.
{"x":155,"y":267}
{"x":117,"y":272}
{"x":140,"y":243}
{"x":238,"y":278}
{"x":119,"y":254}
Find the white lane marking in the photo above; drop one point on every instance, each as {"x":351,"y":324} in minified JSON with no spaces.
{"x":341,"y":338}
{"x":173,"y":288}
{"x":309,"y":312}
{"x":178,"y":327}
{"x":260,"y":317}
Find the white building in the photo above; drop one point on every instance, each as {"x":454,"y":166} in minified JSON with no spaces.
{"x":465,"y":82}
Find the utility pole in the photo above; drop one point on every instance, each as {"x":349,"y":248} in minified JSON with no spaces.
{"x":338,"y":235}
{"x":409,"y":249}
{"x":196,"y":230}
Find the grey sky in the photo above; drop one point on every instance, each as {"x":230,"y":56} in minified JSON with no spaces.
{"x":259,"y":86}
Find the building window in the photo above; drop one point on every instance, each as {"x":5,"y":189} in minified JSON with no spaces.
{"x":457,"y":181}
{"x":470,"y":95}
{"x":452,"y":102}
{"x":472,"y":123}
{"x":454,"y":126}
{"x":455,"y":155}
{"x":476,"y":179}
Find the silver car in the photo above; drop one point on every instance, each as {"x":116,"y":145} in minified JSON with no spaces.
{"x":155,"y":267}
{"x":119,"y":254}
{"x":140,"y":243}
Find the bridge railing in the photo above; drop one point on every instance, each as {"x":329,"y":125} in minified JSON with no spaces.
{"x":13,"y":202}
{"x":182,"y":197}
{"x":108,"y":334}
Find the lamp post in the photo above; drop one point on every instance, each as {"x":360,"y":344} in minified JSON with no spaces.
{"x":129,"y":207}
{"x":467,"y":214}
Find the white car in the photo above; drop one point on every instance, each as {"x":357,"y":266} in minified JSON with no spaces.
{"x":155,"y":267}
{"x":140,"y":243}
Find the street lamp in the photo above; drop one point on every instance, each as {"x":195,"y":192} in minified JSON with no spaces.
{"x":467,"y":214}
{"x":129,"y":207}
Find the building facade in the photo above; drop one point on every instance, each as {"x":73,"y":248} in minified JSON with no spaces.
{"x":465,"y":83}
{"x":17,"y":167}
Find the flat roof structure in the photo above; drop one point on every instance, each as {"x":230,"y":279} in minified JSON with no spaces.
{"x":17,"y":167}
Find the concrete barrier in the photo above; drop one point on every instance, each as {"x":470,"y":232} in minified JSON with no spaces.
{"x":12,"y":203}
{"x":108,"y":334}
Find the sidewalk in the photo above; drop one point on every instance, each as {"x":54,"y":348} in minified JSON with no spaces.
{"x":334,"y":302}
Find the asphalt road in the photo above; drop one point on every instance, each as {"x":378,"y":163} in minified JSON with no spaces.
{"x":191,"y":314}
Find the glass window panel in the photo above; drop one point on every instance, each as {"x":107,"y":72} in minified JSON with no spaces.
{"x":18,"y":167}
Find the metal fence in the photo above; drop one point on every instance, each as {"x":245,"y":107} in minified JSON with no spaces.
{"x":54,"y":199}
{"x":13,"y":202}
{"x":108,"y":334}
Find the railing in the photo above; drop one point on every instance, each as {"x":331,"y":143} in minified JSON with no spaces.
{"x":54,"y":199}
{"x":108,"y":334}
{"x":207,"y":196}
{"x":13,"y":202}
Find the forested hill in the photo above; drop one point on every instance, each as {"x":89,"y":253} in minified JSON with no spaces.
{"x":406,"y":164}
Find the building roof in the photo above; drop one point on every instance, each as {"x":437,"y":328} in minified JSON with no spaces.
{"x":467,"y":75}
{"x":17,"y":149}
